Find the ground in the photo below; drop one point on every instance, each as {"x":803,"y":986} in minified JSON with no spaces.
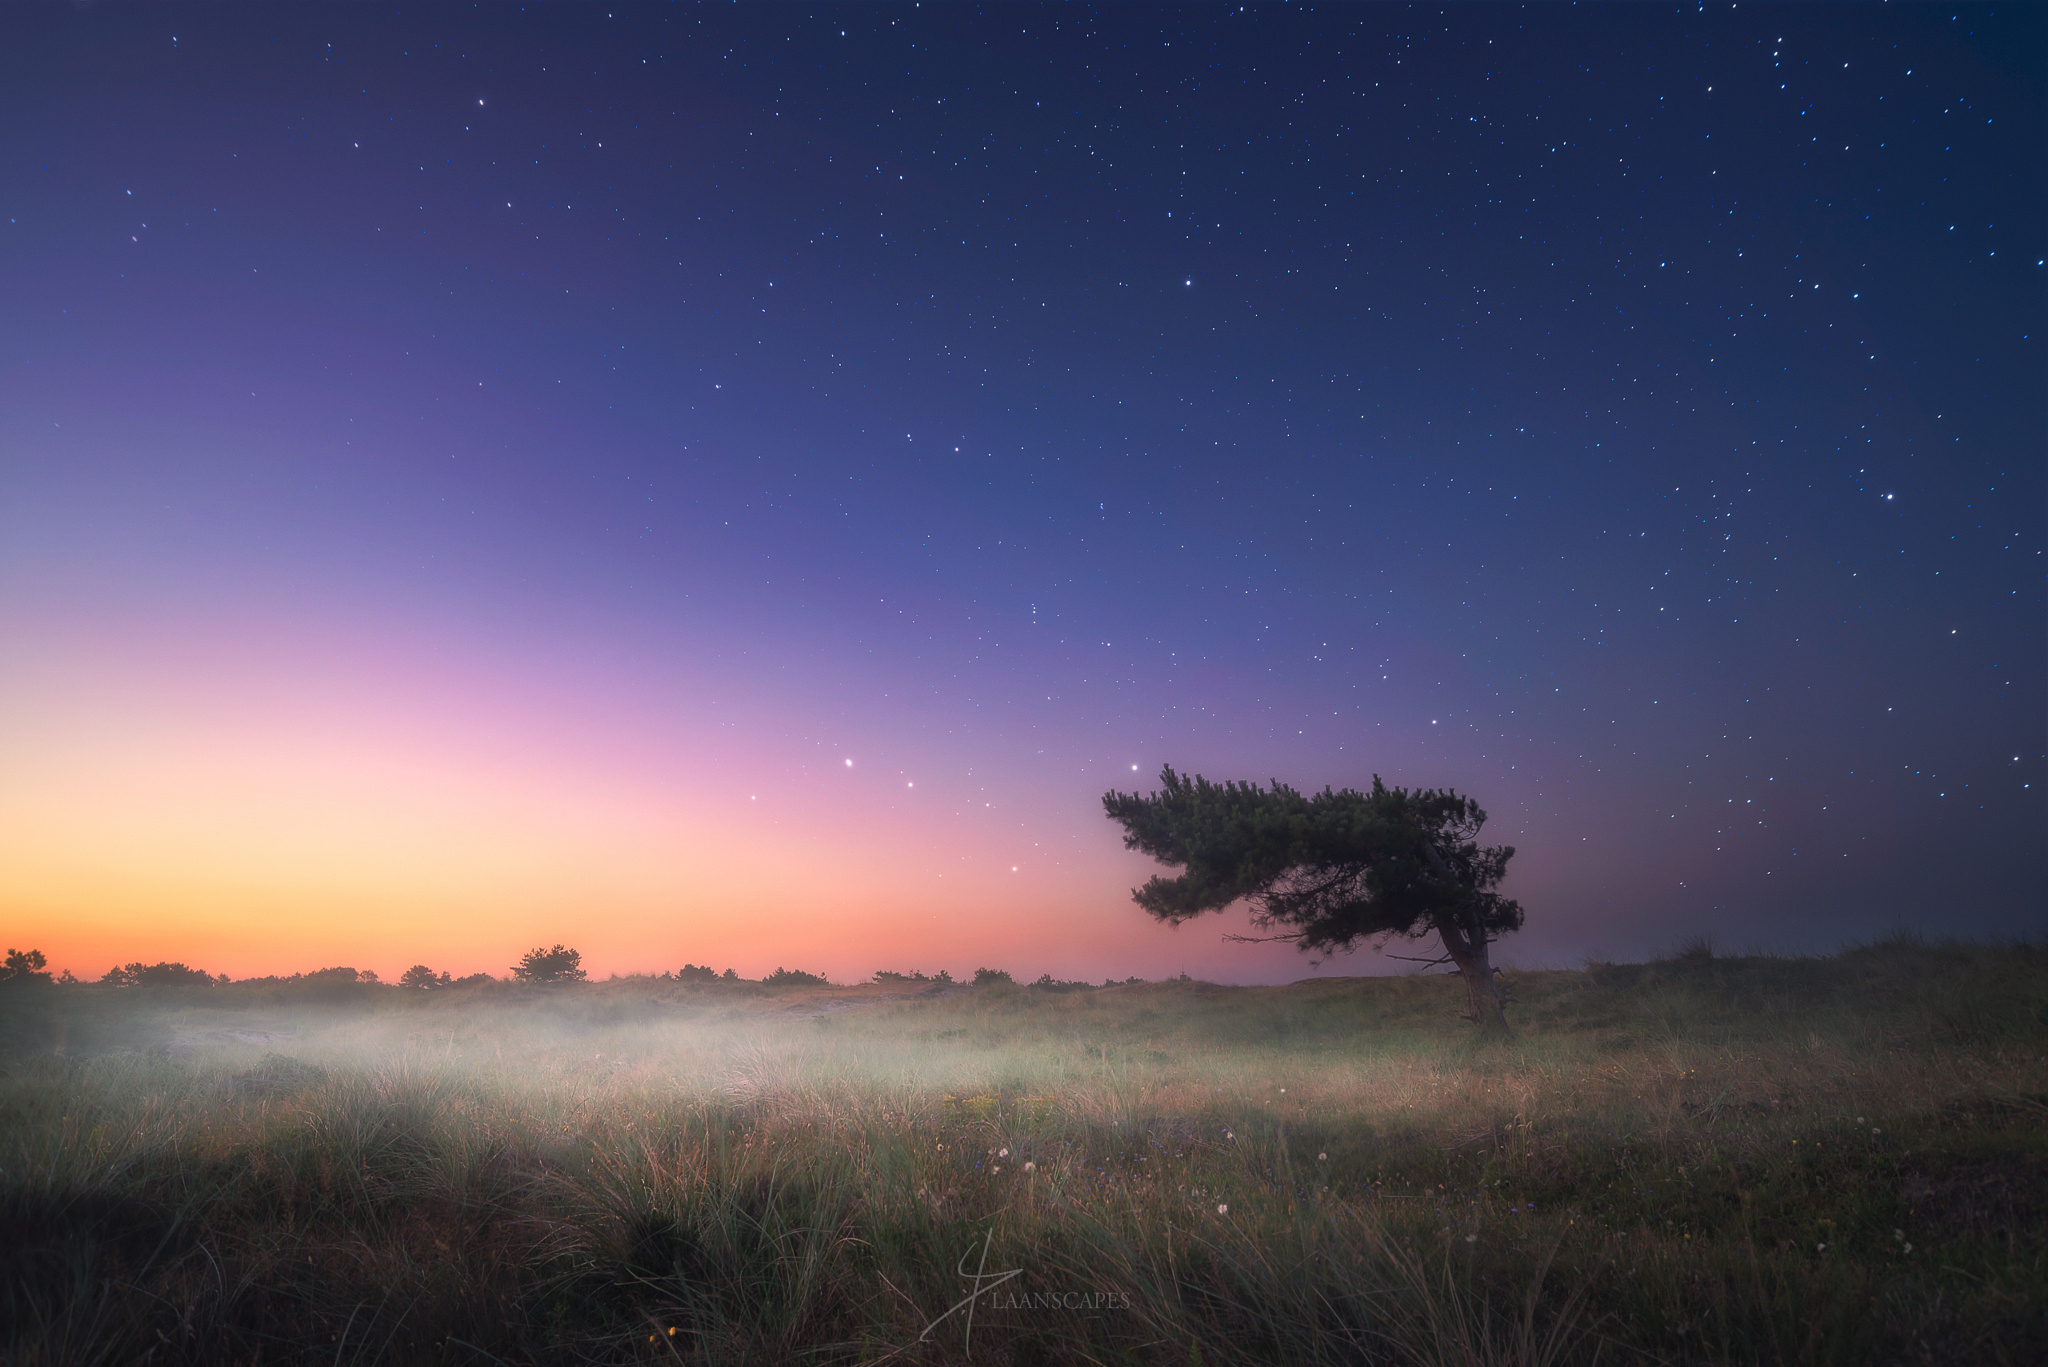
{"x":1700,"y":1160}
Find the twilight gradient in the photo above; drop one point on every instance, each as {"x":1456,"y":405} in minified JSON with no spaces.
{"x":738,"y":485}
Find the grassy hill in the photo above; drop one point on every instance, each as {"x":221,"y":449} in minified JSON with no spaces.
{"x":1699,"y":1160}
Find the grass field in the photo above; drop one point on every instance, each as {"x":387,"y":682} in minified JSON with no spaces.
{"x":1749,"y":1160}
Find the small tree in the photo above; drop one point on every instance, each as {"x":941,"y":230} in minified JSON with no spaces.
{"x":696,"y":973}
{"x":25,"y":966}
{"x":795,"y":977}
{"x":423,"y":979}
{"x":983,"y":977}
{"x":1333,"y":868}
{"x":557,"y":965}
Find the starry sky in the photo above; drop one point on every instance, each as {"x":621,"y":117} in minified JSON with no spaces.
{"x":738,"y":484}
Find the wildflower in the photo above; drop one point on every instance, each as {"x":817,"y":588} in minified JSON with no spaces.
{"x":1031,"y":1167}
{"x":1322,"y":1158}
{"x":1909,"y":1248}
{"x":1002,"y":1153}
{"x":1223,"y":1208}
{"x":998,"y":1168}
{"x":1471,"y":1238}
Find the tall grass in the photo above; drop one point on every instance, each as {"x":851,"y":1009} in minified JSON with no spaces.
{"x":1701,"y":1160}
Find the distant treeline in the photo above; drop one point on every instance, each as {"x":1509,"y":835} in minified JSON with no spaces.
{"x":556,"y":965}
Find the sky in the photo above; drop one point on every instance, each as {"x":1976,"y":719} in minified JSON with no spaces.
{"x":738,"y":484}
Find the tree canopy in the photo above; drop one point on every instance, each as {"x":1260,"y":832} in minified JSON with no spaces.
{"x":24,"y":966}
{"x":1328,"y":870}
{"x":557,"y":965}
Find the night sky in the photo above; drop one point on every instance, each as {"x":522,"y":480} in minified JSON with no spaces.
{"x":738,"y":484}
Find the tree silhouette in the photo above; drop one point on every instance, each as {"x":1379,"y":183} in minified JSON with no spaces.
{"x":421,"y":977}
{"x":557,"y":965}
{"x":166,"y":974}
{"x":24,"y":966}
{"x":1333,"y":868}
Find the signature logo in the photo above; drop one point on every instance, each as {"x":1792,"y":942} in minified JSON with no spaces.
{"x":979,"y":1281}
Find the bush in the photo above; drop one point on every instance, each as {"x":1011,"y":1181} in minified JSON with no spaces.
{"x":421,"y":977}
{"x":1052,"y":984}
{"x":698,"y":973}
{"x":557,"y":965}
{"x":885,"y":976}
{"x":793,"y":977}
{"x":983,"y":977}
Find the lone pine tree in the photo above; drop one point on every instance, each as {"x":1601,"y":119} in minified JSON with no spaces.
{"x":1330,"y":869}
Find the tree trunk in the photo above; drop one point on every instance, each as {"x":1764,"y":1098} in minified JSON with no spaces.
{"x":1465,"y":941}
{"x":1466,"y":944}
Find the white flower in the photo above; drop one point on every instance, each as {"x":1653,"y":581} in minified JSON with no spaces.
{"x":1223,"y":1208}
{"x":1031,"y":1167}
{"x":1471,"y":1238}
{"x":1322,"y":1158}
{"x":1002,"y":1153}
{"x":1909,"y":1248}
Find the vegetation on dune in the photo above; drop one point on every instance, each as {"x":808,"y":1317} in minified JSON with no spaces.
{"x":1703,"y":1160}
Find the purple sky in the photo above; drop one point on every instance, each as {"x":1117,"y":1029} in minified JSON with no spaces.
{"x":476,"y":475}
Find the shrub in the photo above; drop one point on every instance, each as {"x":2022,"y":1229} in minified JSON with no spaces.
{"x":557,"y":965}
{"x":1052,"y":984}
{"x":423,"y":978}
{"x":885,"y":976}
{"x":697,"y":973}
{"x":794,"y":977}
{"x":985,"y":976}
